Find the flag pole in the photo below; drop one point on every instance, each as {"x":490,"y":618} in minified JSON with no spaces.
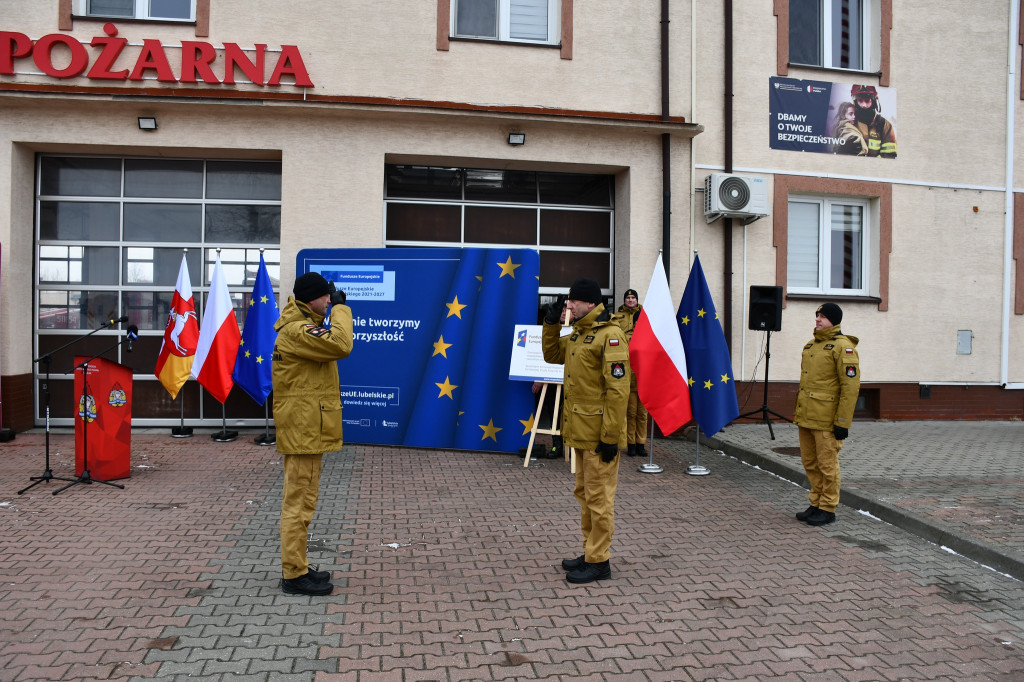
{"x":696,"y":469}
{"x":181,"y":431}
{"x":650,"y":467}
{"x":222,"y":436}
{"x":266,"y":438}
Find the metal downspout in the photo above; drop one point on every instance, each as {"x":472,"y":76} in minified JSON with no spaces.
{"x":666,"y":147}
{"x":1011,"y":98}
{"x":727,"y":222}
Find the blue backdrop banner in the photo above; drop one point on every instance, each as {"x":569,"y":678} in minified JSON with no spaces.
{"x":433,"y":336}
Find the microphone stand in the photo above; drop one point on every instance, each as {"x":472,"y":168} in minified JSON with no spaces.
{"x":45,"y":362}
{"x":85,"y":477}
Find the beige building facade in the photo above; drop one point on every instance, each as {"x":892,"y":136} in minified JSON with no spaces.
{"x":138,"y":131}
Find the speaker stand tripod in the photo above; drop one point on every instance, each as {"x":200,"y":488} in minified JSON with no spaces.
{"x":764,"y":410}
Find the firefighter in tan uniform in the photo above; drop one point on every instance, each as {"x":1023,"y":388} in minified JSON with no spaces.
{"x":596,"y":383}
{"x":307,"y":411}
{"x":829,"y":384}
{"x":636,"y":413}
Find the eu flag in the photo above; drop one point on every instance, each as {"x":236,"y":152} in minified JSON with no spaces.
{"x":465,"y":399}
{"x":712,"y":392}
{"x":252,"y":366}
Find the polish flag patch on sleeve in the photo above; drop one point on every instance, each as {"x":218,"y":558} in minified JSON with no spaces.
{"x":613,"y":342}
{"x":849,"y":351}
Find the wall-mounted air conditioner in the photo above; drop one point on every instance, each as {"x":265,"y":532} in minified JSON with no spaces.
{"x":735,"y":196}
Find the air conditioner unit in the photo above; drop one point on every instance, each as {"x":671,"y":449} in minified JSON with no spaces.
{"x":735,"y":196}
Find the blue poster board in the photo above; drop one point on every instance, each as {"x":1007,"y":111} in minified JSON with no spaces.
{"x":433,"y":331}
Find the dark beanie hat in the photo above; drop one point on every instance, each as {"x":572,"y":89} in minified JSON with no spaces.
{"x":832,"y":312}
{"x":630,"y":291}
{"x":310,"y":286}
{"x":587,"y":290}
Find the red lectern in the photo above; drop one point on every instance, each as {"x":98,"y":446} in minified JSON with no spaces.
{"x":105,"y":401}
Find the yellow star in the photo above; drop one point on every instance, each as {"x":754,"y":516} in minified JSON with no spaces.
{"x":440,"y":347}
{"x":446,"y":388}
{"x":263,"y":299}
{"x":252,"y":302}
{"x":690,"y":381}
{"x":716,"y":316}
{"x":490,"y":431}
{"x":725,"y":378}
{"x":700,"y":313}
{"x":684,"y":319}
{"x":455,"y":308}
{"x":527,"y":424}
{"x":259,"y":359}
{"x":246,"y":353}
{"x":707,"y":384}
{"x":241,"y":342}
{"x":508,"y":268}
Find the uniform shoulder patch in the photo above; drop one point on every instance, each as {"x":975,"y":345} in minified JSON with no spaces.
{"x":314,"y":330}
{"x":851,"y":371}
{"x":613,"y":342}
{"x":849,"y":351}
{"x":589,"y":338}
{"x":829,"y":346}
{"x":618,"y":369}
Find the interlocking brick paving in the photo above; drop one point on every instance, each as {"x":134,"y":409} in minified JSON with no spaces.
{"x":446,"y":568}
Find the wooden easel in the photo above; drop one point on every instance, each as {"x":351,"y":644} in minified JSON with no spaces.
{"x":570,"y":453}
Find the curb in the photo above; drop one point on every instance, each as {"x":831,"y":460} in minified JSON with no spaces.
{"x":985,"y":554}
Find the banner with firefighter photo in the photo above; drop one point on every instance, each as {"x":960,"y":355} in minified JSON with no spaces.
{"x":850,"y":119}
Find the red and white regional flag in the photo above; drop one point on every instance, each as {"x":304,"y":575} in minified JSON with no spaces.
{"x":219,"y":339}
{"x":656,"y":355}
{"x":180,"y":337}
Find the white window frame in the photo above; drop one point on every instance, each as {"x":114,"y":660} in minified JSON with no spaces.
{"x":504,"y":24}
{"x":870,"y":21}
{"x":867,"y":255}
{"x":141,"y":12}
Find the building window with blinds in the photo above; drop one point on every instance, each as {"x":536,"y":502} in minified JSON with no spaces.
{"x":515,"y":21}
{"x":827,"y":246}
{"x":834,"y":34}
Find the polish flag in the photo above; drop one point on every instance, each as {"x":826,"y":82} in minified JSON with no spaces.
{"x":219,"y":339}
{"x":656,"y":355}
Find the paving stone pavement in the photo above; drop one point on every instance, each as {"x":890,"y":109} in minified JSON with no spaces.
{"x":446,"y":568}
{"x":958,"y":484}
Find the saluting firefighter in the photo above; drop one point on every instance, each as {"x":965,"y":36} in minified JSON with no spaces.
{"x":829,"y":384}
{"x":636,"y":414}
{"x":307,"y":411}
{"x":596,"y":385}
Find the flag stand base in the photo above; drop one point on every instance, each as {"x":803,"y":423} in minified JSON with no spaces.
{"x":224,"y":436}
{"x":697,"y":470}
{"x":181,"y":431}
{"x":265,"y":439}
{"x":650,"y":468}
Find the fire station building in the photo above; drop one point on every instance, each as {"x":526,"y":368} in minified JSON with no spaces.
{"x":600,"y":134}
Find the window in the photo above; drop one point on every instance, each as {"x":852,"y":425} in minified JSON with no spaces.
{"x":567,"y":217}
{"x":520,"y":21}
{"x":835,"y":34}
{"x":828,"y":246}
{"x":159,"y":10}
{"x":111,"y":233}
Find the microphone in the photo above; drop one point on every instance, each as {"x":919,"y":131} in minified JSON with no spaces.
{"x":123,"y":318}
{"x":133,"y":335}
